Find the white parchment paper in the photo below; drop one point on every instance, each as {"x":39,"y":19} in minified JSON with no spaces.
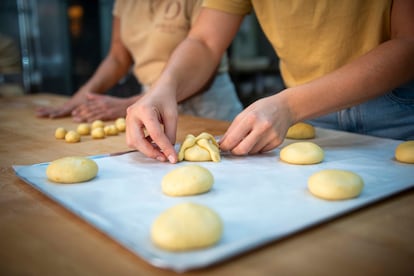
{"x":259,"y":198}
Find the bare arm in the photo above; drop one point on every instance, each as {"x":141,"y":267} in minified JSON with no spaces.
{"x":187,"y":70}
{"x":387,"y":66}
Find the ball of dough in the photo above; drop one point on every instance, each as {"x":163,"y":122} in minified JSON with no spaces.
{"x":111,"y":130}
{"x":186,"y":226}
{"x":187,"y":180}
{"x":71,"y":169}
{"x":97,"y":123}
{"x":302,"y":153}
{"x":120,"y":124}
{"x":83,"y":129}
{"x":72,"y":137}
{"x":335,"y":184}
{"x":98,"y":133}
{"x":405,"y":152}
{"x":60,"y":133}
{"x":301,"y":131}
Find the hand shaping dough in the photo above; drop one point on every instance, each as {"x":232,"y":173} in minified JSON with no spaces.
{"x":301,"y":131}
{"x":72,"y":137}
{"x":187,"y":180}
{"x":302,"y":153}
{"x":201,"y":148}
{"x":405,"y":152}
{"x":335,"y":184}
{"x":186,"y":226}
{"x":71,"y":169}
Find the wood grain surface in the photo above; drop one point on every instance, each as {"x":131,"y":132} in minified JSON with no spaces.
{"x":39,"y":237}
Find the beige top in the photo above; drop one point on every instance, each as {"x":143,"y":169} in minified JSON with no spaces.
{"x":151,"y":30}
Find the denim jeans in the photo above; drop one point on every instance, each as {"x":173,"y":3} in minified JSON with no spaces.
{"x":388,"y":116}
{"x":220,"y":101}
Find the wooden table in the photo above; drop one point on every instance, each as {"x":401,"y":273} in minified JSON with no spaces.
{"x":39,"y":237}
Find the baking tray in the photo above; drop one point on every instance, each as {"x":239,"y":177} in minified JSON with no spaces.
{"x":259,"y":198}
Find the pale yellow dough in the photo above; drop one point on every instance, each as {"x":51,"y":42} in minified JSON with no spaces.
{"x":405,"y":152}
{"x":302,"y":153}
{"x":97,"y":123}
{"x":201,"y":148}
{"x":335,"y":184}
{"x":186,"y":226}
{"x":72,"y":137}
{"x":98,"y":133}
{"x":110,"y":130}
{"x":187,"y":180}
{"x":83,"y":129}
{"x":60,"y":133}
{"x":71,"y":169}
{"x":301,"y":131}
{"x":120,"y":124}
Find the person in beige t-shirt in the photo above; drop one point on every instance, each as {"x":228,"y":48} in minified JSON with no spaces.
{"x":144,"y":35}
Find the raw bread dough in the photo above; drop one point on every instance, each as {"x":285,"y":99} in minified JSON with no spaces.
{"x":187,"y":180}
{"x":60,"y":133}
{"x":405,"y":152}
{"x":110,"y":130}
{"x":83,"y":129}
{"x":98,"y":133}
{"x":201,"y":148}
{"x":71,"y":169}
{"x":186,"y":226}
{"x":302,"y":153}
{"x":335,"y":184}
{"x":72,"y":137}
{"x":97,"y":123}
{"x":301,"y":131}
{"x":120,"y":124}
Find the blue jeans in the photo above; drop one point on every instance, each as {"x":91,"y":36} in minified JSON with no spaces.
{"x":388,"y":116}
{"x":219,"y":102}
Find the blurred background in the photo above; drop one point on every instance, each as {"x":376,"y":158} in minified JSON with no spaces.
{"x":54,"y":46}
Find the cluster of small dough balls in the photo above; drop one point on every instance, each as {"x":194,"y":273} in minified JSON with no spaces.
{"x":97,"y":130}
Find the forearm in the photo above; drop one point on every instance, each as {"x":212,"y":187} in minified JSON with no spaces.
{"x":374,"y":74}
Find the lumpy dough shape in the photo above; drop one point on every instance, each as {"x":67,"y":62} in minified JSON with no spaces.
{"x":187,"y":180}
{"x":301,"y":131}
{"x":72,"y":169}
{"x":186,"y":226}
{"x":204,"y":147}
{"x":335,"y":184}
{"x":405,"y":152}
{"x":72,"y":137}
{"x":302,"y":153}
{"x":60,"y":133}
{"x":83,"y":129}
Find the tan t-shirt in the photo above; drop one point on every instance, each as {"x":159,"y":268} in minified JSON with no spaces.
{"x":315,"y":37}
{"x":151,"y":30}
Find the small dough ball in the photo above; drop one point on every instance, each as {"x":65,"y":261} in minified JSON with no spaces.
{"x":83,"y":129}
{"x":111,"y":130}
{"x":60,"y":133}
{"x":302,"y":153}
{"x":301,"y":131}
{"x":72,"y":137}
{"x":98,"y":133}
{"x":187,"y":180}
{"x":71,"y":169}
{"x":186,"y":226}
{"x":97,"y":123}
{"x":120,"y":124}
{"x":335,"y":184}
{"x":405,"y":152}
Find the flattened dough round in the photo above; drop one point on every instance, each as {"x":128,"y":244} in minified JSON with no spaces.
{"x":71,"y":169}
{"x":405,"y":152}
{"x":302,"y":153}
{"x":186,"y":226}
{"x":301,"y":131}
{"x":187,"y":180}
{"x":335,"y":184}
